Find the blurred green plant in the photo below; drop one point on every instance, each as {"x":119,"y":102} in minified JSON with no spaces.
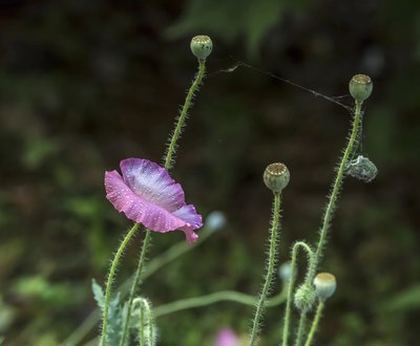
{"x":43,"y":292}
{"x":230,"y":20}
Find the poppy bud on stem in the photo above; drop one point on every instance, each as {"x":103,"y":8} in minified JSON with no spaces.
{"x":202,"y":52}
{"x":276,"y":177}
{"x":360,"y":87}
{"x":325,"y":285}
{"x":201,"y":46}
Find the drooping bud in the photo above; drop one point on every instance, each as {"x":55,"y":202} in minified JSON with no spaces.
{"x":285,"y":271}
{"x":305,"y":298}
{"x":276,"y":176}
{"x":201,"y":46}
{"x":325,"y":285}
{"x":142,"y":309}
{"x":362,"y":168}
{"x":360,"y":87}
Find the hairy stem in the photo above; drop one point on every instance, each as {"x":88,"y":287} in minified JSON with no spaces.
{"x":301,"y":329}
{"x":212,"y":298}
{"x":295,"y":251}
{"x":110,"y":280}
{"x":270,"y":267}
{"x":333,"y":197}
{"x":169,"y":158}
{"x":158,"y":262}
{"x":135,"y":284}
{"x":315,"y":324}
{"x":146,"y":326}
{"x":169,"y":161}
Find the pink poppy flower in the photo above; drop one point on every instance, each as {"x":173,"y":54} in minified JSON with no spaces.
{"x":226,"y":337}
{"x":146,"y":194}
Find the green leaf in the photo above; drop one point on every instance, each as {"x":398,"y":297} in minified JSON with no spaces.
{"x":408,"y":299}
{"x":98,"y":294}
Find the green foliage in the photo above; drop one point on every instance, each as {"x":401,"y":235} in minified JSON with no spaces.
{"x":406,"y":300}
{"x":116,"y":313}
{"x":230,"y":19}
{"x":42,"y":291}
{"x":7,"y":316}
{"x":89,"y":210}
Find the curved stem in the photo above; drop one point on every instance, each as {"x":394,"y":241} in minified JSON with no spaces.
{"x":331,"y":205}
{"x":169,"y":160}
{"x":135,"y":285}
{"x":146,"y":327}
{"x":154,"y":265}
{"x":315,"y":323}
{"x":213,"y":298}
{"x":173,"y":143}
{"x":301,"y":329}
{"x":111,"y":277}
{"x":295,"y":251}
{"x":270,"y":267}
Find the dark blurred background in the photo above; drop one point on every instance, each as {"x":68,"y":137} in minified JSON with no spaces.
{"x":84,"y":84}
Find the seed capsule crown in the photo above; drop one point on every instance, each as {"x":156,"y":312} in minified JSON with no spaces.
{"x":276,"y":176}
{"x":201,"y":46}
{"x":360,"y":87}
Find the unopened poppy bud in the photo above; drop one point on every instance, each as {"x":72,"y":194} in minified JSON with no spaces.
{"x":276,"y":176}
{"x":305,"y":297}
{"x":360,"y":87}
{"x":325,"y":285}
{"x":201,"y":46}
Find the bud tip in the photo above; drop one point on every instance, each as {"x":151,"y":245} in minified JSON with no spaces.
{"x":276,"y":176}
{"x":360,"y":87}
{"x":201,"y":46}
{"x":325,"y":285}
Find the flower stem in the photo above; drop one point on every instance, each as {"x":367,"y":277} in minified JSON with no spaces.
{"x":135,"y":284}
{"x":146,"y":327}
{"x":333,"y":197}
{"x":110,"y":280}
{"x":169,"y":161}
{"x":301,"y":329}
{"x":270,"y":267}
{"x":295,"y":250}
{"x":169,"y":158}
{"x":167,"y":257}
{"x":315,"y":323}
{"x":213,"y":298}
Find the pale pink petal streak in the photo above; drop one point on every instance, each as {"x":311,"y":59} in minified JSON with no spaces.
{"x":136,"y":208}
{"x":153,"y":182}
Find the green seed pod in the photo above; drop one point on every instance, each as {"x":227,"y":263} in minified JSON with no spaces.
{"x":305,"y":298}
{"x":362,"y":168}
{"x":325,"y":285}
{"x":360,"y":87}
{"x":276,"y":176}
{"x":201,"y":46}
